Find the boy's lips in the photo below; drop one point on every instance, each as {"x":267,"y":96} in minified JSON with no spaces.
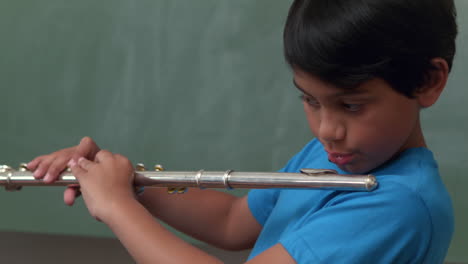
{"x":340,"y":158}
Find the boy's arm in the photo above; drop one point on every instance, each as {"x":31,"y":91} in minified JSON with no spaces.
{"x":149,"y":242}
{"x":214,"y":217}
{"x":106,"y":186}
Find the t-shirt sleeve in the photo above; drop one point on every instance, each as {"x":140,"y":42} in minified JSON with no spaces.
{"x":261,"y":202}
{"x":381,"y":228}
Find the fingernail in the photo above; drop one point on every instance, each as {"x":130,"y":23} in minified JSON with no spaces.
{"x":36,"y":174}
{"x":47,"y":177}
{"x":71,"y":163}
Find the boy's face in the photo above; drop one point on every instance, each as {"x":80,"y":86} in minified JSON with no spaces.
{"x":360,"y":128}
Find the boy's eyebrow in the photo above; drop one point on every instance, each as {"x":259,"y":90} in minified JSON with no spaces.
{"x":341,"y":93}
{"x":299,"y":88}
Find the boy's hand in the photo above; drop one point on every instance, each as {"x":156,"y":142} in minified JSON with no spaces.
{"x":104,"y":182}
{"x":48,"y":167}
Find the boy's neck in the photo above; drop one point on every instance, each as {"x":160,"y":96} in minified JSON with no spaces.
{"x":415,"y":139}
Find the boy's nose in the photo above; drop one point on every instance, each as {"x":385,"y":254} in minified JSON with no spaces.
{"x":331,"y":129}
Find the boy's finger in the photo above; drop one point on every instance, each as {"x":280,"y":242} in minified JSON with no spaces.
{"x":33,"y":163}
{"x":87,"y":148}
{"x":103,"y":155}
{"x":70,"y":194}
{"x":85,"y":164}
{"x":78,"y":170}
{"x":57,"y":167}
{"x":43,"y":167}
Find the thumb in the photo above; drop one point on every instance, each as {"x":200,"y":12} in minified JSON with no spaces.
{"x":80,"y":168}
{"x":85,"y":163}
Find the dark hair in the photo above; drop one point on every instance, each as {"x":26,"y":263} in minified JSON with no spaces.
{"x":347,"y":42}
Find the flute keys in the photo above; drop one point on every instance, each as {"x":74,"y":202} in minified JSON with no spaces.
{"x":140,"y":167}
{"x":23,"y":167}
{"x":9,"y":186}
{"x":174,"y":190}
{"x":171,"y":190}
{"x":5,"y":168}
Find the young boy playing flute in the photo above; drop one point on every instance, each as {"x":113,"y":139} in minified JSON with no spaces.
{"x":365,"y":70}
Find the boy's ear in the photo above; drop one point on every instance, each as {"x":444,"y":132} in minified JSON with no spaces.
{"x":428,"y":94}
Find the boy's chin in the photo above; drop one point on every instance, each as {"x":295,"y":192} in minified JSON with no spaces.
{"x":355,"y":169}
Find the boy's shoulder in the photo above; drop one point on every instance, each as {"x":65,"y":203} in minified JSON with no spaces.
{"x":413,"y":173}
{"x":408,"y":208}
{"x":310,"y":156}
{"x":410,"y":165}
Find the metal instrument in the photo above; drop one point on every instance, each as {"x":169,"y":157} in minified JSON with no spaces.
{"x":179,"y":181}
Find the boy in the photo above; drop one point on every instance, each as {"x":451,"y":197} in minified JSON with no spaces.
{"x":365,"y":69}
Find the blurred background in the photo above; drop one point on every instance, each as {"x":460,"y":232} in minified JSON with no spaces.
{"x":186,"y":84}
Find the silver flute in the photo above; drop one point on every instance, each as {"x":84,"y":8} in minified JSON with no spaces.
{"x":179,"y":181}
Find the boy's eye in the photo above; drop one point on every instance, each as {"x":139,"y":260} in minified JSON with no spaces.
{"x":352,"y":107}
{"x":309,"y":100}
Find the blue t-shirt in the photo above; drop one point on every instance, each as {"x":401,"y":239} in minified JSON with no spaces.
{"x":407,"y":219}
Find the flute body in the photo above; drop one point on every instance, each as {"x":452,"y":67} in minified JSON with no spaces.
{"x":307,"y":178}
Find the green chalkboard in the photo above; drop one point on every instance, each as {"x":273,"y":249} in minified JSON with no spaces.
{"x":187,"y":84}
